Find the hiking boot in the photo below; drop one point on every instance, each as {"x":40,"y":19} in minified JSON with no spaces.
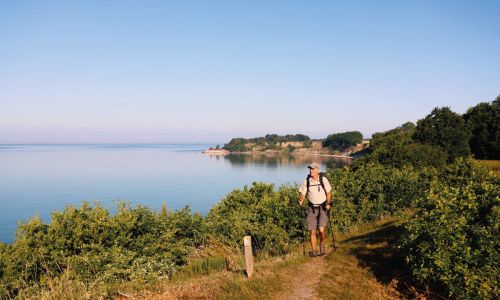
{"x":313,"y":254}
{"x":322,"y":251}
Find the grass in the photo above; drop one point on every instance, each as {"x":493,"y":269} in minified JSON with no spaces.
{"x":365,"y":265}
{"x":493,"y":165}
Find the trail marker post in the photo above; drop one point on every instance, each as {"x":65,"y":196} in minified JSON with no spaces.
{"x":247,"y":241}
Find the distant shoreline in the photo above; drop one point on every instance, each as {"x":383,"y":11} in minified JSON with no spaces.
{"x":226,"y":152}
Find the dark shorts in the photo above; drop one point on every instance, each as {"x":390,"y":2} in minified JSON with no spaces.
{"x":312,"y":218}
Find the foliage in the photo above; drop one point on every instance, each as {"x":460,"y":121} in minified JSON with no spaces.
{"x":400,"y":136}
{"x":484,"y":123}
{"x":342,"y":141}
{"x":368,"y":191}
{"x":397,"y":148}
{"x":270,"y":141}
{"x":89,"y":244}
{"x":271,"y":217}
{"x":452,"y":240}
{"x":236,"y":145}
{"x":446,"y":129}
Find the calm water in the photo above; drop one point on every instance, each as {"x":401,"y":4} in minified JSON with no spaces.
{"x":42,"y":178}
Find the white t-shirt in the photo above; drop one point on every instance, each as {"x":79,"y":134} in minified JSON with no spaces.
{"x":316,"y":193}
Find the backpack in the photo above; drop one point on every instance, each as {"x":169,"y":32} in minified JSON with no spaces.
{"x":308,"y":180}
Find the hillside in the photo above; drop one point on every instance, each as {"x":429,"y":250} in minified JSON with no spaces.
{"x":313,"y":147}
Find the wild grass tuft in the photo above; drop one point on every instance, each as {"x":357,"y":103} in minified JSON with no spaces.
{"x":493,"y":165}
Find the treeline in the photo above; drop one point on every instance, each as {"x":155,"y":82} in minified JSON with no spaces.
{"x":437,"y":139}
{"x":441,"y":137}
{"x":336,"y":142}
{"x":269,"y":141}
{"x":342,"y":141}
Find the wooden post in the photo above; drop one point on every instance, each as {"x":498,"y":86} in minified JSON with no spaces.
{"x":247,"y":241}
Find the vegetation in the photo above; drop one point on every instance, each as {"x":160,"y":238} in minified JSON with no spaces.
{"x":269,"y":141}
{"x":484,"y":123}
{"x":445,"y":129}
{"x":397,"y":148}
{"x":271,"y":217}
{"x":452,"y":239}
{"x":492,"y":165}
{"x":369,"y":191}
{"x":88,"y":244}
{"x":342,"y":141}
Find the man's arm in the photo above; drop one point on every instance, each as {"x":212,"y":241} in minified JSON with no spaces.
{"x":329,"y":199}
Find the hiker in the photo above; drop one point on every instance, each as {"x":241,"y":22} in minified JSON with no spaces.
{"x":318,"y":191}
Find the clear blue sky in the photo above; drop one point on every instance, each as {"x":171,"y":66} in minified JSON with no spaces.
{"x":206,"y":71}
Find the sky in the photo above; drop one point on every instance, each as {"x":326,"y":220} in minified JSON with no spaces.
{"x":207,"y":71}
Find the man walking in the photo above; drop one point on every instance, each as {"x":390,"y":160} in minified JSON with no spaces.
{"x":318,"y":191}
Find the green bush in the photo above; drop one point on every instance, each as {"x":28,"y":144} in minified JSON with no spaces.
{"x":91,"y":245}
{"x":271,"y":217}
{"x":368,"y":191}
{"x":453,"y":238}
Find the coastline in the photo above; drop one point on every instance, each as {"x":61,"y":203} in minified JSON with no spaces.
{"x":226,"y":152}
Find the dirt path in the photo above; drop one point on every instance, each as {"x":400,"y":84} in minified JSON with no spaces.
{"x":305,"y":280}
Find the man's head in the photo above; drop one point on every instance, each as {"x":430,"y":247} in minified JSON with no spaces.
{"x":314,"y":169}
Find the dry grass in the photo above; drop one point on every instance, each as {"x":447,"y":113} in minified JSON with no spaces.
{"x":493,"y":165}
{"x":363,"y":267}
{"x":269,"y":277}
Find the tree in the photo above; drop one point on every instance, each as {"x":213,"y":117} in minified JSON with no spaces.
{"x":446,"y":129}
{"x":484,"y":122}
{"x":342,"y":141}
{"x":397,"y":148}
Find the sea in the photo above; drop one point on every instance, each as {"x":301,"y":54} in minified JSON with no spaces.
{"x":39,"y":179}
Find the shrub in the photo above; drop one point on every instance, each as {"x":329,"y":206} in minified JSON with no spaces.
{"x":452,"y":239}
{"x":368,"y":191}
{"x":271,"y":217}
{"x":91,"y":245}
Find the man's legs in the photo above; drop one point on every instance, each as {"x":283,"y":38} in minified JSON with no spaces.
{"x":313,"y":240}
{"x":322,"y":238}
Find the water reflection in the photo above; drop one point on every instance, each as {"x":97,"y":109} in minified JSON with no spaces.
{"x":280,"y":160}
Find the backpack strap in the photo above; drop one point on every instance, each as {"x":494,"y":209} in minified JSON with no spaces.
{"x":321,"y":182}
{"x":308,"y":183}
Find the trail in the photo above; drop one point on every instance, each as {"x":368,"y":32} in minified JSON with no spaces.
{"x":305,"y":280}
{"x":363,"y":267}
